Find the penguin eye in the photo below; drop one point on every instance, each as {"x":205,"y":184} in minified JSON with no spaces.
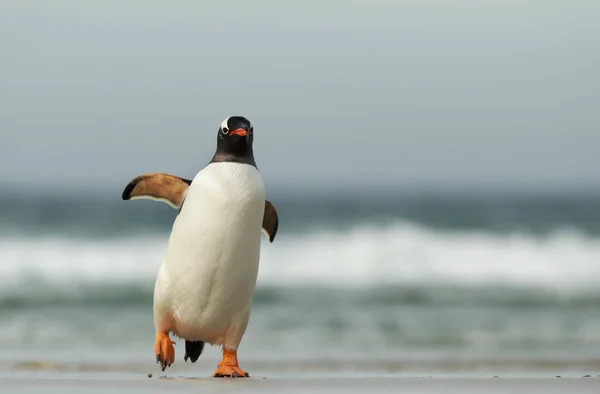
{"x":251,"y":130}
{"x":225,"y":130}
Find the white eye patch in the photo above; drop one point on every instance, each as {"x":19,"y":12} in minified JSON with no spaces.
{"x":224,"y":124}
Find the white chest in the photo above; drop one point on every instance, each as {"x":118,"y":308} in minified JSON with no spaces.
{"x":221,"y":215}
{"x":214,"y":249}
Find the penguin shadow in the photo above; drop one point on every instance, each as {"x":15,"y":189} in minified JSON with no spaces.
{"x":188,"y":372}
{"x":203,"y":378}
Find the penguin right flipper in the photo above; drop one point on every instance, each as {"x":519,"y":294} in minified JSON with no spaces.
{"x":270,"y":222}
{"x":193,"y":350}
{"x":167,"y":188}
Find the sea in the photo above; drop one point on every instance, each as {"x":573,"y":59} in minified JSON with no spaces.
{"x":382,"y":281}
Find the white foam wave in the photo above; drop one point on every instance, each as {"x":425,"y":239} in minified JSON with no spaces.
{"x":406,"y":253}
{"x":363,"y":256}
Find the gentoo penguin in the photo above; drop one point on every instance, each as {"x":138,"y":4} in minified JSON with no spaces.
{"x":205,"y":283}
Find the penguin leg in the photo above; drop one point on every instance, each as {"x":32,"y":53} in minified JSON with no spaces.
{"x":228,"y":367}
{"x":164,"y":350}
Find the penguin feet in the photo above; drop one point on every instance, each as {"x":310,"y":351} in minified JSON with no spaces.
{"x":230,"y":371}
{"x":164,"y":350}
{"x":228,"y":367}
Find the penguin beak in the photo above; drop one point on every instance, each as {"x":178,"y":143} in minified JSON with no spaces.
{"x":240,"y":132}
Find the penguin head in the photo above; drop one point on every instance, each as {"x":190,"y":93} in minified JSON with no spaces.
{"x":235,"y":135}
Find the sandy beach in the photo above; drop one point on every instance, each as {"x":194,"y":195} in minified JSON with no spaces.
{"x":139,"y":384}
{"x":315,"y":377}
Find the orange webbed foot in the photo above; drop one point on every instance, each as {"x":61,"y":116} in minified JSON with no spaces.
{"x":229,"y":368}
{"x":164,"y":350}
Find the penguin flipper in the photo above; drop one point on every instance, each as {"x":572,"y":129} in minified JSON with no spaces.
{"x":167,"y":188}
{"x":193,"y":350}
{"x":171,"y":189}
{"x":270,"y":221}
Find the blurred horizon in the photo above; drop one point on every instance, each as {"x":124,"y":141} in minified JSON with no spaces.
{"x":306,"y":190}
{"x":436,"y":94}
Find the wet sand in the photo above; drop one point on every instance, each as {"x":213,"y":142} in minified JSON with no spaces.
{"x":375,"y":376}
{"x":463,"y":385}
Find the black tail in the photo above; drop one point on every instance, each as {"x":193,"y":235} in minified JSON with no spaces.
{"x":193,"y":350}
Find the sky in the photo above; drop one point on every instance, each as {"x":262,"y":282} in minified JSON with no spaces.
{"x":360,"y":94}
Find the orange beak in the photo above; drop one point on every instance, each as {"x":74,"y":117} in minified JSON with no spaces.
{"x":240,"y":132}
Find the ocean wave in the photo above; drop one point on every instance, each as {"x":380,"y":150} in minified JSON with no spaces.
{"x":402,"y":262}
{"x":44,"y":295}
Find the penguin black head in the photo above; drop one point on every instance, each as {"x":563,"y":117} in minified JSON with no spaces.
{"x":234,"y":140}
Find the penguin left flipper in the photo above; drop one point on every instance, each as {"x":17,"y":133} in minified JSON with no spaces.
{"x":157,"y":186}
{"x":171,"y":189}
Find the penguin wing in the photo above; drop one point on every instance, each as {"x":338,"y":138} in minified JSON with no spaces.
{"x":270,"y":222}
{"x":171,"y":189}
{"x":157,"y":186}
